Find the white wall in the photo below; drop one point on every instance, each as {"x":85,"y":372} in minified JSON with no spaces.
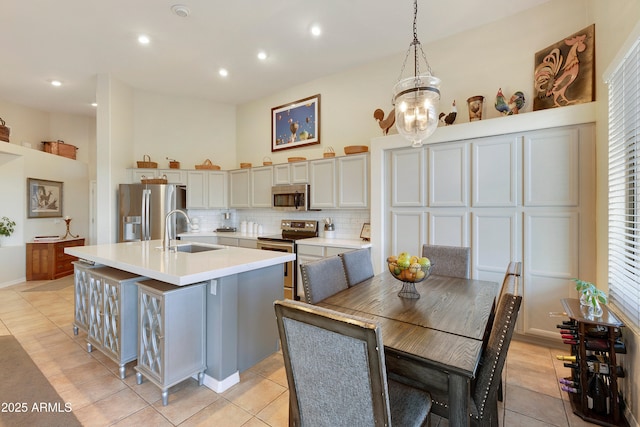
{"x":16,"y":165}
{"x":477,"y":62}
{"x":184,"y":129}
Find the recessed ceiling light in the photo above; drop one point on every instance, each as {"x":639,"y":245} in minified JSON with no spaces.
{"x":181,"y":10}
{"x":262,"y":55}
{"x":56,"y":83}
{"x":223,"y":72}
{"x":143,"y":39}
{"x":94,"y":104}
{"x":316,"y":30}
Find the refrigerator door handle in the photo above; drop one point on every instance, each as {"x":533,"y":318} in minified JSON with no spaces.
{"x":145,"y":214}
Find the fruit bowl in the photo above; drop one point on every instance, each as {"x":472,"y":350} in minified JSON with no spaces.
{"x":415,"y":273}
{"x":409,"y":270}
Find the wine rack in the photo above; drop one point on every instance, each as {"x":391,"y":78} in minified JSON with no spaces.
{"x":593,"y":385}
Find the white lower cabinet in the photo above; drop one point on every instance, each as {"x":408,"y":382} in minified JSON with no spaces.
{"x":171,"y":333}
{"x":106,"y":308}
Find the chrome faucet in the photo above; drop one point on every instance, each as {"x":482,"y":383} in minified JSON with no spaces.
{"x":166,"y":239}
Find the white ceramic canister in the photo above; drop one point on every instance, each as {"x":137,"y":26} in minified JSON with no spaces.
{"x":250,"y":227}
{"x":255,"y":227}
{"x":243,"y":226}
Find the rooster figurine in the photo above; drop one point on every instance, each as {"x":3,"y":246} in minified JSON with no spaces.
{"x":515,"y":104}
{"x":448,"y":119}
{"x":385,"y":124}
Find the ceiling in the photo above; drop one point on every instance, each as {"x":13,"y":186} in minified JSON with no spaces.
{"x":75,"y":40}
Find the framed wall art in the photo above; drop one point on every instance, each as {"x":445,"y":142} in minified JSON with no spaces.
{"x":365,"y":233}
{"x":564,"y":72}
{"x":296,"y":124}
{"x":44,"y":198}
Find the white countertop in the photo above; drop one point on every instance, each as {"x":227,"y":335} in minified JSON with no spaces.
{"x":232,"y":234}
{"x":336,"y":242}
{"x":179,"y":268}
{"x":354,"y":243}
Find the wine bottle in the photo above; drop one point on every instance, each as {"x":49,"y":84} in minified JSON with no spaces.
{"x":599,"y":344}
{"x":598,"y":368}
{"x":567,"y":326}
{"x":568,"y":382}
{"x":598,"y":395}
{"x":569,"y":389}
{"x":569,"y":337}
{"x":566,"y":358}
{"x":570,"y":341}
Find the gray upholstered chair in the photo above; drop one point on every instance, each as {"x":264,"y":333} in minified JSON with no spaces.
{"x":336,"y":372}
{"x":483,"y":406}
{"x":450,"y":261}
{"x":357,"y":265}
{"x":323,"y":278}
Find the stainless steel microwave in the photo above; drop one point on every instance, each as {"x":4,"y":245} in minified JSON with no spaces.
{"x":290,"y":197}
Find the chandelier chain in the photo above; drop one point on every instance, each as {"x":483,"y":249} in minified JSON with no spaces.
{"x":415,"y":44}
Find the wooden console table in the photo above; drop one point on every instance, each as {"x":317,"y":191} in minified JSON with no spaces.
{"x":47,"y":260}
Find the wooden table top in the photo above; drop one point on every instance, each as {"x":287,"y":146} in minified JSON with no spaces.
{"x":444,"y":327}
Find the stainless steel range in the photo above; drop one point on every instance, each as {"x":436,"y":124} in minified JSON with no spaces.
{"x":291,"y":231}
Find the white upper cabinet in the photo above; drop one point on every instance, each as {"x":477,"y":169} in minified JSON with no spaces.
{"x":494,"y":169}
{"x":408,"y":177}
{"x":291,"y":173}
{"x":449,"y":175}
{"x":322,"y":177}
{"x":240,"y":188}
{"x":217,"y":190}
{"x":353,"y":181}
{"x":551,"y":172}
{"x":261,"y":180}
{"x":174,"y":176}
{"x":206,"y":189}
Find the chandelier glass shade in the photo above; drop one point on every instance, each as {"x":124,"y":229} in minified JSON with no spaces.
{"x":416,"y":99}
{"x":416,"y":107}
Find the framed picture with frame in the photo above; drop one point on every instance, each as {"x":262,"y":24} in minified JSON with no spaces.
{"x":296,"y":124}
{"x":365,"y":233}
{"x":44,"y":198}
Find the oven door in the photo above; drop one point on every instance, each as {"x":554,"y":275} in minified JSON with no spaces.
{"x":289,"y":267}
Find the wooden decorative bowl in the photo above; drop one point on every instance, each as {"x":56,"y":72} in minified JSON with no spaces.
{"x":355,"y":149}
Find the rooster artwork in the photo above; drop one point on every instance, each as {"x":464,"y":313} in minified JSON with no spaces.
{"x":448,"y":119}
{"x":515,"y":104}
{"x":385,"y":124}
{"x":564,"y":72}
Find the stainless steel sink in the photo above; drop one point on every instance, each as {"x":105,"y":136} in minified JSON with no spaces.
{"x":193,"y":248}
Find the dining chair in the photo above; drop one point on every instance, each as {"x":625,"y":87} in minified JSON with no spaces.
{"x":483,"y":405}
{"x":357,"y":265}
{"x":323,"y":278}
{"x":336,"y":372}
{"x":450,"y":261}
{"x":514,"y":268}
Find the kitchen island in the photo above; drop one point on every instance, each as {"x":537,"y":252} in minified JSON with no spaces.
{"x":241,"y":285}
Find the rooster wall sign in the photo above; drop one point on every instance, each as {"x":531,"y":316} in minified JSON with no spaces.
{"x":564,"y":72}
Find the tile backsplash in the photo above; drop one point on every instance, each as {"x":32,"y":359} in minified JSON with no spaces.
{"x":348,"y":223}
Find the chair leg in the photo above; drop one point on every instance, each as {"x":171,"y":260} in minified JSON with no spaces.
{"x":500,"y":395}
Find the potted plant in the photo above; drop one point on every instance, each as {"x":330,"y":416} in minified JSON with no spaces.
{"x":6,"y":226}
{"x":591,"y":296}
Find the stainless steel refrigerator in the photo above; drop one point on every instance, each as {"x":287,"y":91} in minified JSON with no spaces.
{"x":143,"y":207}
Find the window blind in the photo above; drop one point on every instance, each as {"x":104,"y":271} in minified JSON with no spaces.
{"x":624,"y":185}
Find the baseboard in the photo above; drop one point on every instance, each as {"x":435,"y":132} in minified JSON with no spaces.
{"x":220,"y":386}
{"x":545,"y":342}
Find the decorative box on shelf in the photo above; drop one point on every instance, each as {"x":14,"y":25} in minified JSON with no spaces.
{"x":60,"y":148}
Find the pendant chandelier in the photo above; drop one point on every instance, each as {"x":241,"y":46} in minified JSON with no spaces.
{"x":416,"y":99}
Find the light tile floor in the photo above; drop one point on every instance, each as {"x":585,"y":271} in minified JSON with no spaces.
{"x":42,"y":321}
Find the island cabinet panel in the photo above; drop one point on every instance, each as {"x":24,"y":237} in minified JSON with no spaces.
{"x":171,"y":333}
{"x":47,"y":260}
{"x":106,"y":308}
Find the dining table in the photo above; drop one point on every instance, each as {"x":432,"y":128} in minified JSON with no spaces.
{"x":435,"y":340}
